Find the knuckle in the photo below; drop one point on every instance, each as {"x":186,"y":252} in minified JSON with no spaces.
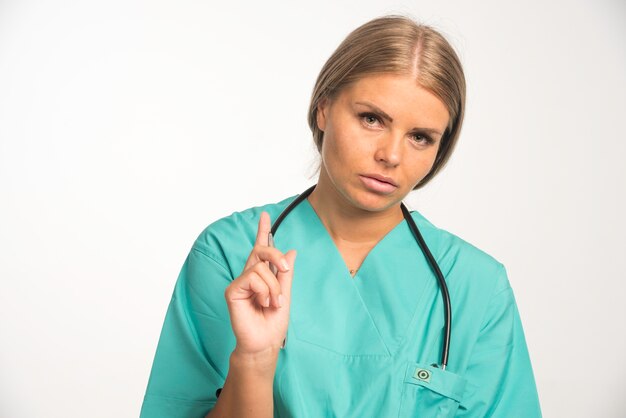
{"x":228,"y":291}
{"x":253,"y":276}
{"x":258,"y":268}
{"x":274,"y":288}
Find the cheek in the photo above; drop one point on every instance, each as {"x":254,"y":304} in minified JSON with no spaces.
{"x":328,"y":152}
{"x":352,"y":141}
{"x":340,"y":144}
{"x":422,"y":166}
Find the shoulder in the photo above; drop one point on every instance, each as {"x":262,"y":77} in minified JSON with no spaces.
{"x":230,"y":238}
{"x":461,"y":262}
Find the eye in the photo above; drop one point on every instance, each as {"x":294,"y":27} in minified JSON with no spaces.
{"x":369,"y":119}
{"x":422,"y":139}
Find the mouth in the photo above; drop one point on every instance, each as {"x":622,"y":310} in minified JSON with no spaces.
{"x":378,"y":184}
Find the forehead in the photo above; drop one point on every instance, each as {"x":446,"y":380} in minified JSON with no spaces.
{"x":400,"y":96}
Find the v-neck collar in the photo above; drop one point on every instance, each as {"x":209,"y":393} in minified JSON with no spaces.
{"x":323,"y":232}
{"x":369,"y":315}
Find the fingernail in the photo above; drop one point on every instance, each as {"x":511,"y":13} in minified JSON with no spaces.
{"x":280,"y":300}
{"x":284,"y":264}
{"x":267,"y":302}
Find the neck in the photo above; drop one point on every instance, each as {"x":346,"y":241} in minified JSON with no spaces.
{"x":348,"y":223}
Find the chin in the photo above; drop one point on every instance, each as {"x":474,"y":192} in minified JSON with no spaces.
{"x":373,"y":202}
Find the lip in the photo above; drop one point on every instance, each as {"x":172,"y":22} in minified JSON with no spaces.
{"x":378,"y":184}
{"x":381,"y":178}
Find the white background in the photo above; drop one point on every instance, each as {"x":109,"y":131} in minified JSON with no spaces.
{"x":127,"y":126}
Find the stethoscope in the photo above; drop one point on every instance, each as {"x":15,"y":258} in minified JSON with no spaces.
{"x":445,"y":348}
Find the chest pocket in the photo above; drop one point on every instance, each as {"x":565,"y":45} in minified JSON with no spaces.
{"x":428,"y":391}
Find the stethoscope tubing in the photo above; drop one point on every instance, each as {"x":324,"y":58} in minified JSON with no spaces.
{"x":445,"y":348}
{"x":447,"y":307}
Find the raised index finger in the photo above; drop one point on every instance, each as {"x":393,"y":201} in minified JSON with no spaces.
{"x":265,"y":227}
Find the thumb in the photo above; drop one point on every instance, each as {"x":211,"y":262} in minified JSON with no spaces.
{"x":286,"y":278}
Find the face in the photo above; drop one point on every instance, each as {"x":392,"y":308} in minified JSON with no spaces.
{"x":381,"y":136}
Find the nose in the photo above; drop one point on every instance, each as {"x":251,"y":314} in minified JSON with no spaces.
{"x":389,"y":150}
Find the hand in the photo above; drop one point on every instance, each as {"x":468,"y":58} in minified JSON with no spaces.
{"x":258,"y":301}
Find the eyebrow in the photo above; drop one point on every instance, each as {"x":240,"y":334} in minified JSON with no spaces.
{"x":377,"y":110}
{"x":390,"y":119}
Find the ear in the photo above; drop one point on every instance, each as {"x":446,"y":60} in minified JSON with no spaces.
{"x":322,"y":112}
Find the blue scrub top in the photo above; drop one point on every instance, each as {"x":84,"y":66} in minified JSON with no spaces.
{"x":357,"y":347}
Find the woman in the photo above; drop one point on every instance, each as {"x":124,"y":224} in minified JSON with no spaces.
{"x":360,"y":304}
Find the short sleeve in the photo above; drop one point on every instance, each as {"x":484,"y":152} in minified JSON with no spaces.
{"x":499,"y":374}
{"x":191,"y":360}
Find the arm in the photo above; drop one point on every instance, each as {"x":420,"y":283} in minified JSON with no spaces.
{"x":259,"y":318}
{"x":248,"y":390}
{"x":221,"y":333}
{"x":499,"y":373}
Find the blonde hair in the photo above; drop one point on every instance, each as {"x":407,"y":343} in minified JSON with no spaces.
{"x":397,"y":45}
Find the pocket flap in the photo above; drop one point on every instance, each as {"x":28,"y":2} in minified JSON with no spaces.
{"x":433,"y":378}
